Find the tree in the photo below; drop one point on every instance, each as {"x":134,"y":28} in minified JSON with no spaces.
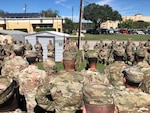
{"x":2,"y":13}
{"x":98,"y":14}
{"x":68,"y":26}
{"x":130,"y":24}
{"x":49,"y":13}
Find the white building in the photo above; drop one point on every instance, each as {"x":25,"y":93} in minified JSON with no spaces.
{"x":56,"y":37}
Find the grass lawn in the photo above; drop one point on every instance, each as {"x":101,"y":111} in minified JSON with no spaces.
{"x":81,"y":64}
{"x":113,"y":37}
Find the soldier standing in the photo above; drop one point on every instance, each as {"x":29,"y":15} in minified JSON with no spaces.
{"x":16,"y":64}
{"x":28,"y":45}
{"x":39,"y":50}
{"x":114,"y":70}
{"x":29,"y":80}
{"x":92,"y":74}
{"x":98,"y":98}
{"x":64,"y":87}
{"x":85,"y":47}
{"x":131,"y":99}
{"x":6,"y":47}
{"x":49,"y":64}
{"x":50,"y":47}
{"x":2,"y":56}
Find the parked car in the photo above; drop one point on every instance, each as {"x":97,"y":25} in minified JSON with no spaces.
{"x":140,"y":32}
{"x":123,"y":31}
{"x":104,"y":31}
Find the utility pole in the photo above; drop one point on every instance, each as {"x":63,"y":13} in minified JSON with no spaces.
{"x":80,"y":22}
{"x":72,"y":12}
{"x":25,"y":8}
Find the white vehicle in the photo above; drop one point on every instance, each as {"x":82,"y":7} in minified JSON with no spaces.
{"x":139,"y":32}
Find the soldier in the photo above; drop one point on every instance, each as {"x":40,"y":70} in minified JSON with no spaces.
{"x":65,"y":88}
{"x":92,"y":74}
{"x":29,"y":80}
{"x":145,"y":68}
{"x":131,"y":99}
{"x":50,"y":47}
{"x":28,"y":45}
{"x":85,"y":47}
{"x":104,"y":54}
{"x":130,"y":49}
{"x":15,"y":64}
{"x":49,"y":64}
{"x":98,"y":98}
{"x":2,"y":56}
{"x":114,"y":70}
{"x":6,"y":47}
{"x":39,"y":50}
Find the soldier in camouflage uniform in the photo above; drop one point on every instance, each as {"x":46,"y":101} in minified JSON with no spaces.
{"x":98,"y":98}
{"x":145,"y":68}
{"x":85,"y":47}
{"x":30,"y":79}
{"x":49,"y":64}
{"x":2,"y":56}
{"x":130,"y":49}
{"x":28,"y":45}
{"x":16,"y":64}
{"x":92,"y":74}
{"x":131,"y":99}
{"x":50,"y":47}
{"x":6,"y":47}
{"x":114,"y":70}
{"x":65,"y":88}
{"x":39,"y":50}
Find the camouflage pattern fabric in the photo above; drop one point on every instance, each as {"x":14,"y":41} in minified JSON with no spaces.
{"x":29,"y":80}
{"x":14,"y":65}
{"x":86,"y":47}
{"x":98,"y":94}
{"x":39,"y":51}
{"x":94,"y":76}
{"x":66,"y":91}
{"x":49,"y":66}
{"x":28,"y":46}
{"x":128,"y":101}
{"x":114,"y":73}
{"x":50,"y":47}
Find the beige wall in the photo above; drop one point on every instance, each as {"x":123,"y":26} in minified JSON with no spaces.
{"x":27,"y":23}
{"x":114,"y":24}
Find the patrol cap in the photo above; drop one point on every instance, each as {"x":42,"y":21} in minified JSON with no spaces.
{"x":30,"y":53}
{"x":18,"y":47}
{"x":92,"y":54}
{"x":98,"y":94}
{"x":67,"y":55}
{"x":140,"y":53}
{"x":133,"y":74}
{"x":119,"y":51}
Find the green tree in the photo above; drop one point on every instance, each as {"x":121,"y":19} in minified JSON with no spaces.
{"x":49,"y":13}
{"x":129,"y":24}
{"x":1,"y":13}
{"x":98,"y":14}
{"x":68,"y":26}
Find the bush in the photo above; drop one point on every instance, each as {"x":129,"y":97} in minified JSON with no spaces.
{"x":45,"y":29}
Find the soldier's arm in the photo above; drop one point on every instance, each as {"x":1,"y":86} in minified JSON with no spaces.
{"x":42,"y":99}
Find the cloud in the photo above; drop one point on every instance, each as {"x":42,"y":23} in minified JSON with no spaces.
{"x":59,"y":1}
{"x":102,"y":2}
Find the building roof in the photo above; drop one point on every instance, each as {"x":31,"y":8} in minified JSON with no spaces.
{"x":21,"y":15}
{"x":15,"y":34}
{"x":10,"y":32}
{"x":51,"y":32}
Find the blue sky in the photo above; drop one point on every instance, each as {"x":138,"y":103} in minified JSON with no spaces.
{"x":124,"y":7}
